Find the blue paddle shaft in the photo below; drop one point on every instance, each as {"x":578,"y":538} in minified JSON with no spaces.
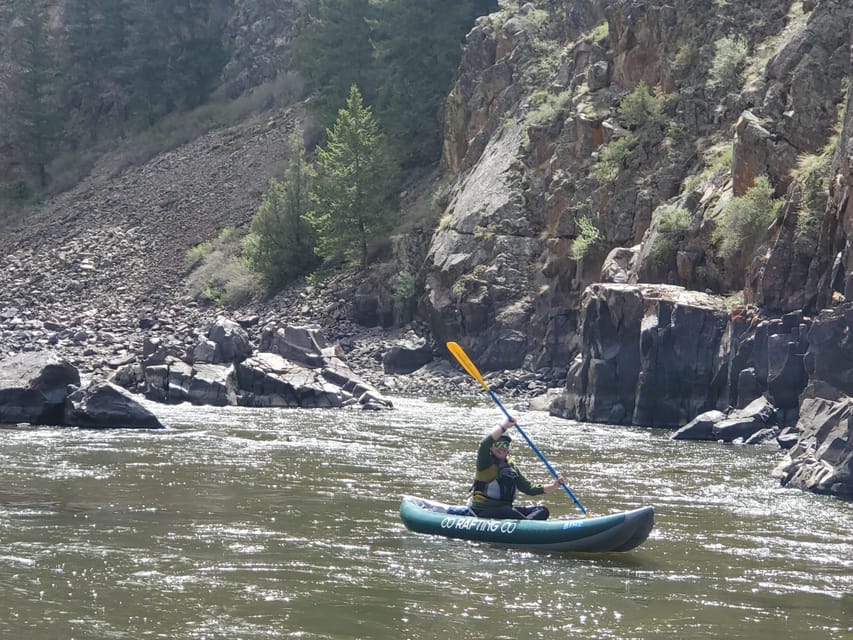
{"x":536,"y":450}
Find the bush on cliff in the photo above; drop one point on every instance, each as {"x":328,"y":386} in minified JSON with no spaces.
{"x":729,"y":56}
{"x":588,"y":236}
{"x":672,"y":227}
{"x":745,"y":220}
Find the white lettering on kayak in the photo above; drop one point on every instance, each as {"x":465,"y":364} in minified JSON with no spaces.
{"x":478,"y":524}
{"x":508,"y":527}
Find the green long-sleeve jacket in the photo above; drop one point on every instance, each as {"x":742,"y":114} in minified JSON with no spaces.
{"x":495,"y":484}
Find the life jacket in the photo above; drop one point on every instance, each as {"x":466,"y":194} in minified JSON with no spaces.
{"x":502,"y":487}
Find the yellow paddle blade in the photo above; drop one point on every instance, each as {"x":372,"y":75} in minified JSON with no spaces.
{"x":463,"y":359}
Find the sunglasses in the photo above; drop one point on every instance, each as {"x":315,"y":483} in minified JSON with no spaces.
{"x":501,"y":444}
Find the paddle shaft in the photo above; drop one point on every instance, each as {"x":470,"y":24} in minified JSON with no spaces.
{"x":463,"y":359}
{"x":538,"y":453}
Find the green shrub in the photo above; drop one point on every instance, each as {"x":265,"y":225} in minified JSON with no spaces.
{"x":685,"y":57}
{"x":745,"y":220}
{"x":612,"y":157}
{"x":600,"y":33}
{"x":814,"y":177}
{"x":672,"y":227}
{"x":588,"y":235}
{"x":729,"y":55}
{"x":405,"y":296}
{"x":719,"y":165}
{"x":547,"y":107}
{"x":196,"y":254}
{"x":674,"y":221}
{"x":280,"y":244}
{"x":221,"y":275}
{"x":639,"y":109}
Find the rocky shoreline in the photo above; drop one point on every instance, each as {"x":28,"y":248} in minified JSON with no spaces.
{"x":102,"y":341}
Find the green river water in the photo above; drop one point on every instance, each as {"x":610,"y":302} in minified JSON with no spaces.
{"x":250,"y":524}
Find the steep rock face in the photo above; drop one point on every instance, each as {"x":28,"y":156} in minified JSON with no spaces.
{"x":660,"y":355}
{"x":808,"y":252}
{"x":538,"y":107}
{"x":650,"y":356}
{"x":259,"y":35}
{"x":822,"y":460}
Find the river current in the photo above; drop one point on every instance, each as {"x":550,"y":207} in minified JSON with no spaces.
{"x":249,"y":524}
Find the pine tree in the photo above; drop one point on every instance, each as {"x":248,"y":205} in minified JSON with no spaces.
{"x":418,"y":51}
{"x":280,"y":244}
{"x":335,"y":51}
{"x":356,"y":187}
{"x":31,"y":104}
{"x":85,"y":68}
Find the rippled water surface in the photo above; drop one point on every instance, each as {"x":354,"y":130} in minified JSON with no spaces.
{"x":243,"y":524}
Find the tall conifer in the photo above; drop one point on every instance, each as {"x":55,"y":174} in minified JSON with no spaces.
{"x":355,"y":195}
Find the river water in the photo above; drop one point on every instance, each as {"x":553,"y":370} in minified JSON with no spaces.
{"x":245,"y":524}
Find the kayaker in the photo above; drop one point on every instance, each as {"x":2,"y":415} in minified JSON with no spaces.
{"x":497,"y":479}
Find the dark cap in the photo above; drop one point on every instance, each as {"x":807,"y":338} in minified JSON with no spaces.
{"x":505,"y":438}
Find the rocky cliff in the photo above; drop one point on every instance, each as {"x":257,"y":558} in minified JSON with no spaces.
{"x":536,"y":106}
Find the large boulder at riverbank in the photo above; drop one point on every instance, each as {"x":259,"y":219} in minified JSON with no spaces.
{"x":407,"y":355}
{"x":294,"y":367}
{"x":40,"y":388}
{"x":661,"y":355}
{"x":649,"y":356}
{"x":33,"y":388}
{"x":822,"y":460}
{"x":738,"y":425}
{"x":104,"y":405}
{"x":269,"y":380}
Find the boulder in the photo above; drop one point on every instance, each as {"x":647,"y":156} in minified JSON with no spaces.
{"x":822,"y":460}
{"x":269,"y":380}
{"x":303,"y":344}
{"x":649,"y":356}
{"x":33,"y":388}
{"x":745,"y":423}
{"x":204,"y":351}
{"x":105,"y":405}
{"x":701,"y":427}
{"x":406,"y":356}
{"x":738,"y":425}
{"x":212,"y":385}
{"x":167,"y":382}
{"x":619,"y":264}
{"x":231,"y":340}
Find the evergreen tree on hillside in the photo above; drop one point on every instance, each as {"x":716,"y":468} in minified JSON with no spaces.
{"x":355,"y":194}
{"x":280,"y":243}
{"x":418,"y":52}
{"x":31,"y":105}
{"x":335,"y":51}
{"x":172,"y":56}
{"x":87,"y":59}
{"x":401,"y":54}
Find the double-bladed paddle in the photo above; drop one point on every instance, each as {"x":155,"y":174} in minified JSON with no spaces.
{"x":463,"y":359}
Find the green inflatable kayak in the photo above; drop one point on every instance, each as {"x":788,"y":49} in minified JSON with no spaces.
{"x":615,"y":532}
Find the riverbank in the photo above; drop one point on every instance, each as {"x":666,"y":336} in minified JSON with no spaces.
{"x":102,"y":333}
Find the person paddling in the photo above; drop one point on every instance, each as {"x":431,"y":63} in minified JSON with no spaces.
{"x":498,"y":478}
